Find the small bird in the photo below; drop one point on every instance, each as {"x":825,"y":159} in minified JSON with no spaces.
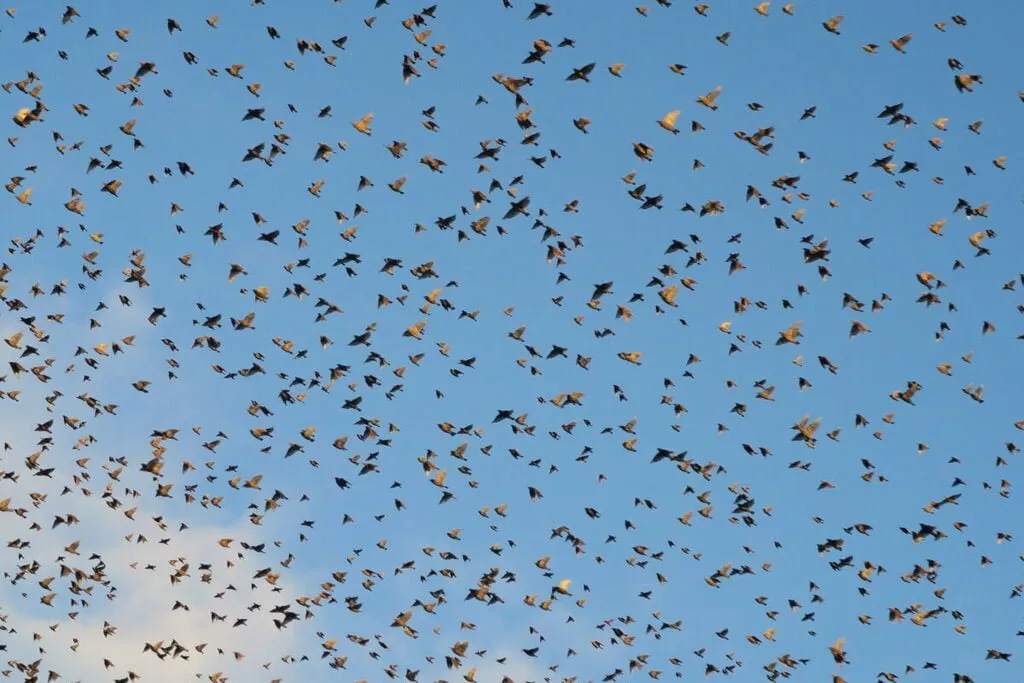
{"x":582,"y":73}
{"x":363,"y":125}
{"x":710,"y":98}
{"x":668,"y":122}
{"x":900,"y":43}
{"x":832,"y":25}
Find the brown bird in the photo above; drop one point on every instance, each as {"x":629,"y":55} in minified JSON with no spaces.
{"x":363,"y":124}
{"x":710,"y":98}
{"x":900,"y":43}
{"x":668,"y":122}
{"x":832,"y":25}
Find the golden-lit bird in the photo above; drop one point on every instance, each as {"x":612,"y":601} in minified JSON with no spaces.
{"x":709,"y":99}
{"x":668,"y":122}
{"x":363,"y":124}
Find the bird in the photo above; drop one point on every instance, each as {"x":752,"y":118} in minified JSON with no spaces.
{"x":832,"y":25}
{"x":668,"y":122}
{"x":709,"y":99}
{"x":899,"y":44}
{"x":583,"y":73}
{"x":364,"y":123}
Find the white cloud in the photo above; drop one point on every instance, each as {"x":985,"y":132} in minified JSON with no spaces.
{"x":142,"y":612}
{"x":136,"y":600}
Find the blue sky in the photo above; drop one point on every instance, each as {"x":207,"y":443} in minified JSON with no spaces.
{"x":784,"y":63}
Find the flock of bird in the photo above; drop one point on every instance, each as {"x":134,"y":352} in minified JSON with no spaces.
{"x":303,"y":380}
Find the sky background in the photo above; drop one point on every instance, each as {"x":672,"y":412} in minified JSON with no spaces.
{"x":786,"y":64}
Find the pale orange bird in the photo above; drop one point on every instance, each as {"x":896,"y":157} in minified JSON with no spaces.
{"x":363,"y":124}
{"x":832,"y":25}
{"x":709,"y":99}
{"x":900,"y":43}
{"x":668,"y":122}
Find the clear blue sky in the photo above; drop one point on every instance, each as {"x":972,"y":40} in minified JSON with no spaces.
{"x":784,"y":63}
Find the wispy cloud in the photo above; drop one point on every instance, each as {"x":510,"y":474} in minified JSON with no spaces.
{"x":92,"y":541}
{"x":134,"y":606}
